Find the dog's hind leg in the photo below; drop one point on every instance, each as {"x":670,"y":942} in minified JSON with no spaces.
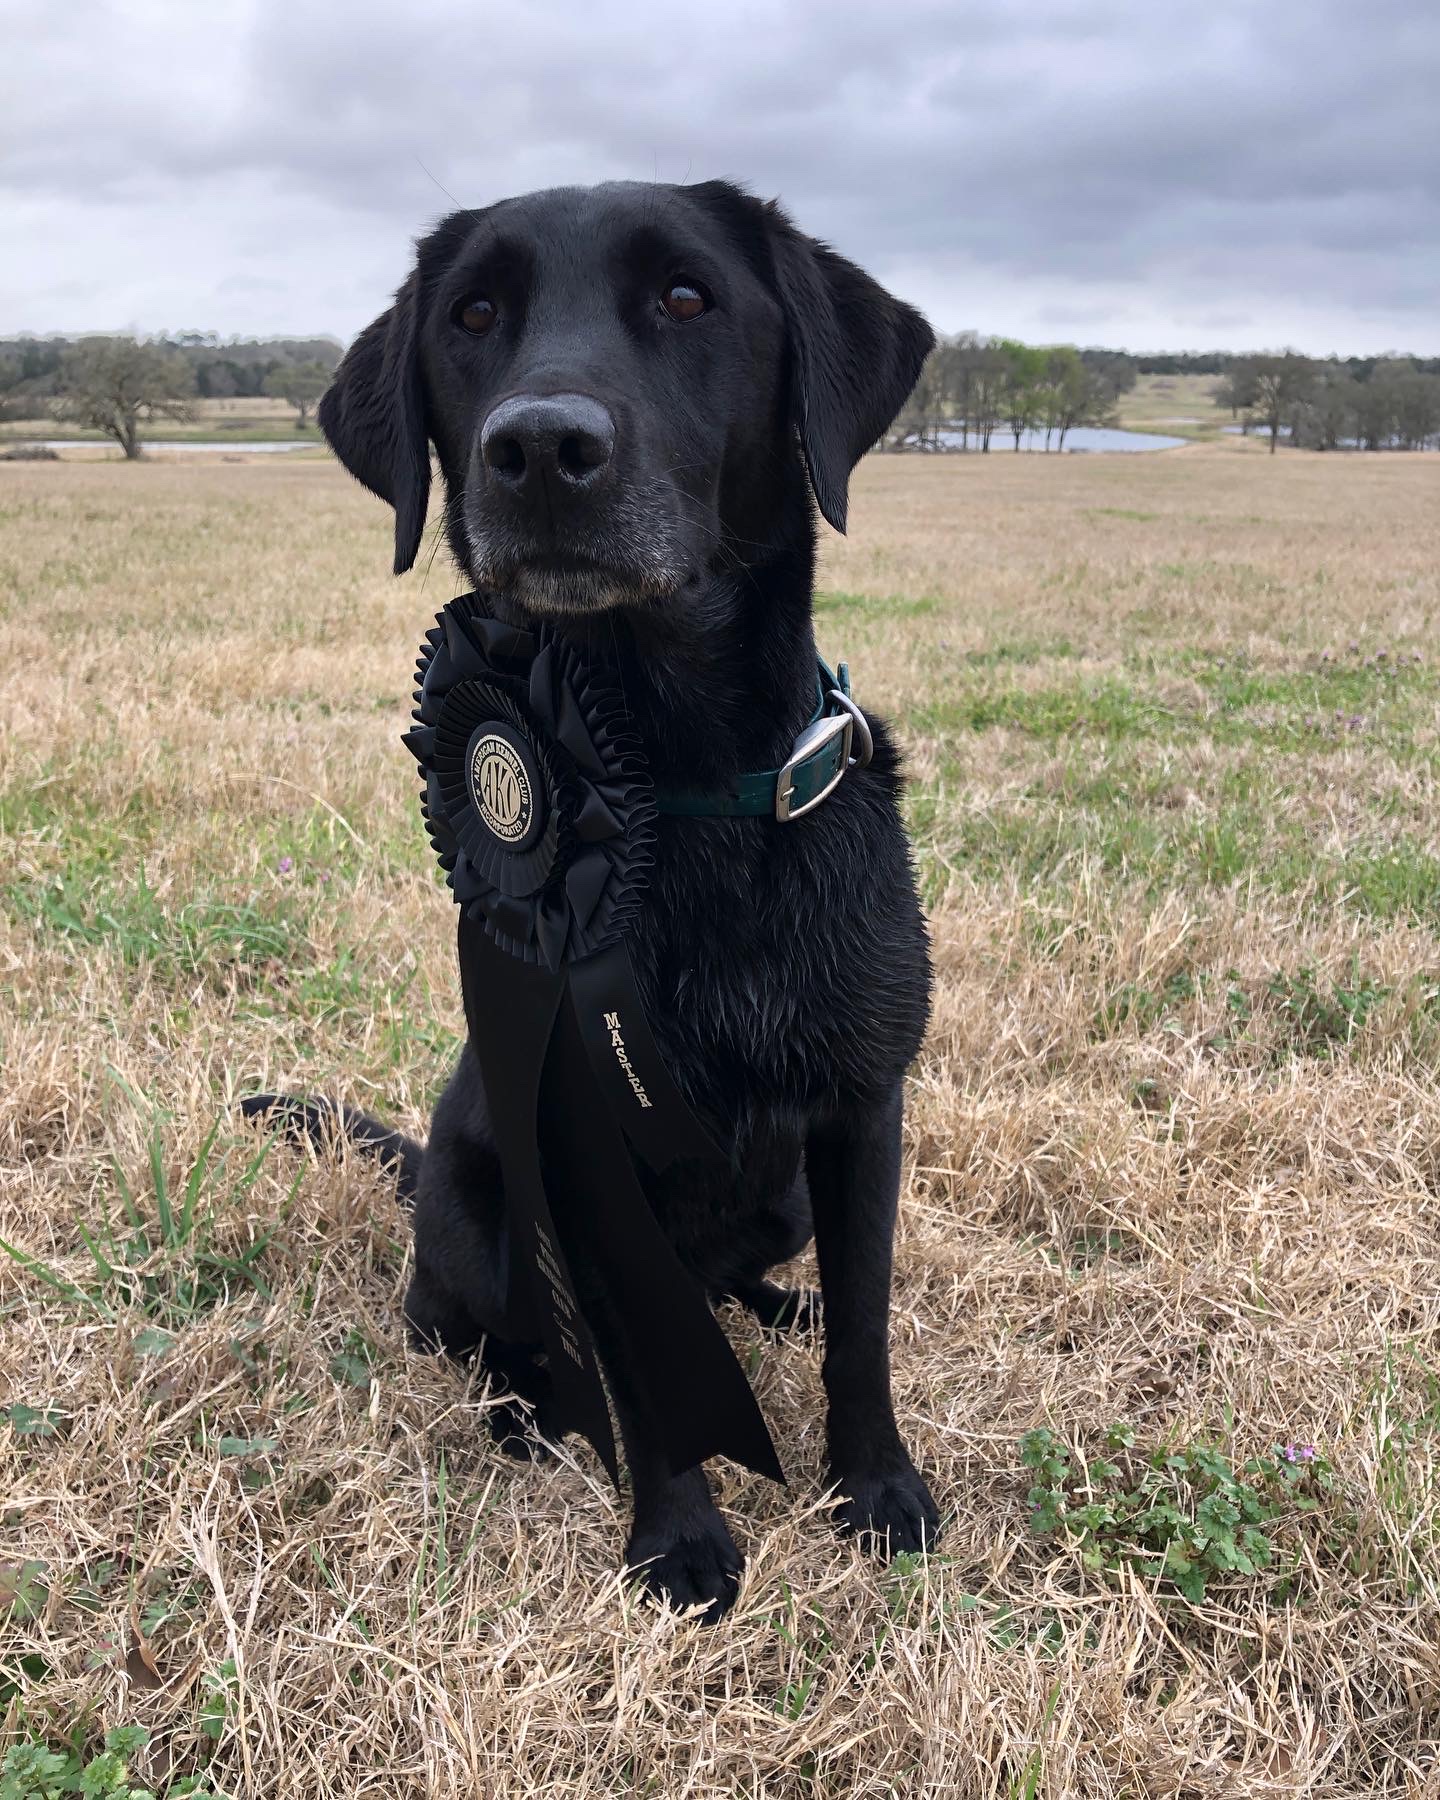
{"x":779,"y":1308}
{"x":458,"y":1292}
{"x":439,"y":1320}
{"x":775,"y":1235}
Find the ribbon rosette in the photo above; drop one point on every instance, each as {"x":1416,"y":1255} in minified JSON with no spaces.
{"x":539,"y":804}
{"x":576,"y":884}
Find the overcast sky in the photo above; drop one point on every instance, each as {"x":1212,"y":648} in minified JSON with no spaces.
{"x":1147,"y":173}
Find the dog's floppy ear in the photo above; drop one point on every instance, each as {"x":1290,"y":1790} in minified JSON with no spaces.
{"x":856,"y":352}
{"x":373,"y":414}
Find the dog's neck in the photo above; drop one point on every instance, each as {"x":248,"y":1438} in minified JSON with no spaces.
{"x":719,"y":681}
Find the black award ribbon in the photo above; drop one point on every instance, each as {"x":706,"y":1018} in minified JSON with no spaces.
{"x":539,"y":804}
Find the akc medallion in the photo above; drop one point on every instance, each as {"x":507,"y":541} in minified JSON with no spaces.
{"x":501,"y":788}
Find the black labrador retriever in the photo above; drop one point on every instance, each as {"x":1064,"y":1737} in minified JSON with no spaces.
{"x":638,"y":395}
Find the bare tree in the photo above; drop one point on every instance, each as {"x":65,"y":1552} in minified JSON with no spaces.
{"x":1236,"y":388}
{"x":987,"y":391}
{"x":958,"y":360}
{"x":1417,"y":408}
{"x":1281,"y":385}
{"x":115,"y":384}
{"x":1327,"y":419}
{"x":300,"y":385}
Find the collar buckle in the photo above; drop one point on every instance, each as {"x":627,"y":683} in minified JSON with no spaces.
{"x":817,"y":738}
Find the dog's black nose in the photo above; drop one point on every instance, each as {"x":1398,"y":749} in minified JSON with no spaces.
{"x":561,"y":441}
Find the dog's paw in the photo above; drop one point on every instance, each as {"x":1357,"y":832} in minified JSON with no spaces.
{"x":700,"y":1568}
{"x":518,"y":1432}
{"x":890,"y":1513}
{"x":781,"y":1309}
{"x":795,"y":1309}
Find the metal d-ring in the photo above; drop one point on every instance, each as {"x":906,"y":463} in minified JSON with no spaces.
{"x":862,"y":726}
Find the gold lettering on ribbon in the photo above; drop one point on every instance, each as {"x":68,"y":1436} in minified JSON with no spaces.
{"x":617,"y":1044}
{"x":548,"y":1264}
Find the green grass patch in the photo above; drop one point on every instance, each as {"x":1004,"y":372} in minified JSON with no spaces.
{"x":1109,"y":707}
{"x":1299,"y":1012}
{"x":173,"y":1242}
{"x":878,"y":606}
{"x":1044,"y":841}
{"x":1307,"y":710}
{"x":1019,"y":653}
{"x":203,"y":935}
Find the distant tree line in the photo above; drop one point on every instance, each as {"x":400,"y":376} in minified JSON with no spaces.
{"x":116,"y":384}
{"x":1220,"y":362}
{"x":973,"y":387}
{"x":1370,"y":403}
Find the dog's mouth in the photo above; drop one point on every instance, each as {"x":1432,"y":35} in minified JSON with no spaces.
{"x":633,"y":552}
{"x":552,"y":583}
{"x":568,"y":586}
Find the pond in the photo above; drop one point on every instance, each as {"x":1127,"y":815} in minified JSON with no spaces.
{"x":1081,"y":437}
{"x":167,"y":445}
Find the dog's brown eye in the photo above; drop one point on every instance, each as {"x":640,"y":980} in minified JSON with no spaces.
{"x":476,"y":316}
{"x":683,"y":301}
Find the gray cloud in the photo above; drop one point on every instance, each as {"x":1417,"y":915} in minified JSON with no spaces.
{"x":1251,"y":171}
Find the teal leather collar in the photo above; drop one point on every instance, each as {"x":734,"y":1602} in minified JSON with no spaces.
{"x":811,"y":773}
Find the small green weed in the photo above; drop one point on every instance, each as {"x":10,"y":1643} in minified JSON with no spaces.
{"x":811,"y":1647}
{"x":32,"y":1421}
{"x":1319,"y":1016}
{"x":1132,"y":1003}
{"x":33,"y":1771}
{"x":1185,"y":1515}
{"x":219,"y":1689}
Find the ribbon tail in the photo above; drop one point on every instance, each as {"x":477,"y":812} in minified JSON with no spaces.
{"x":511,"y":1008}
{"x":679,"y":1371}
{"x":627,"y":1063}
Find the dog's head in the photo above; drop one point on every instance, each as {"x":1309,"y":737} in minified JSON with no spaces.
{"x":620,"y":383}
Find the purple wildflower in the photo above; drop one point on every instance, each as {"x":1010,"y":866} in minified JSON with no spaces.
{"x":285,"y":864}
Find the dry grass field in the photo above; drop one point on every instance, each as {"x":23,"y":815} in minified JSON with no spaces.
{"x":1172,"y":1189}
{"x":1179,"y":405}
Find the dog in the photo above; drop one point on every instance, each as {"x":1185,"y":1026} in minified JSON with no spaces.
{"x":638,"y":397}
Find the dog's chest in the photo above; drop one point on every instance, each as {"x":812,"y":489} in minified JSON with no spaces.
{"x":773,"y":976}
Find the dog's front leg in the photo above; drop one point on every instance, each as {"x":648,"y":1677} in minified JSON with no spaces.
{"x":853,"y":1162}
{"x":679,"y":1546}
